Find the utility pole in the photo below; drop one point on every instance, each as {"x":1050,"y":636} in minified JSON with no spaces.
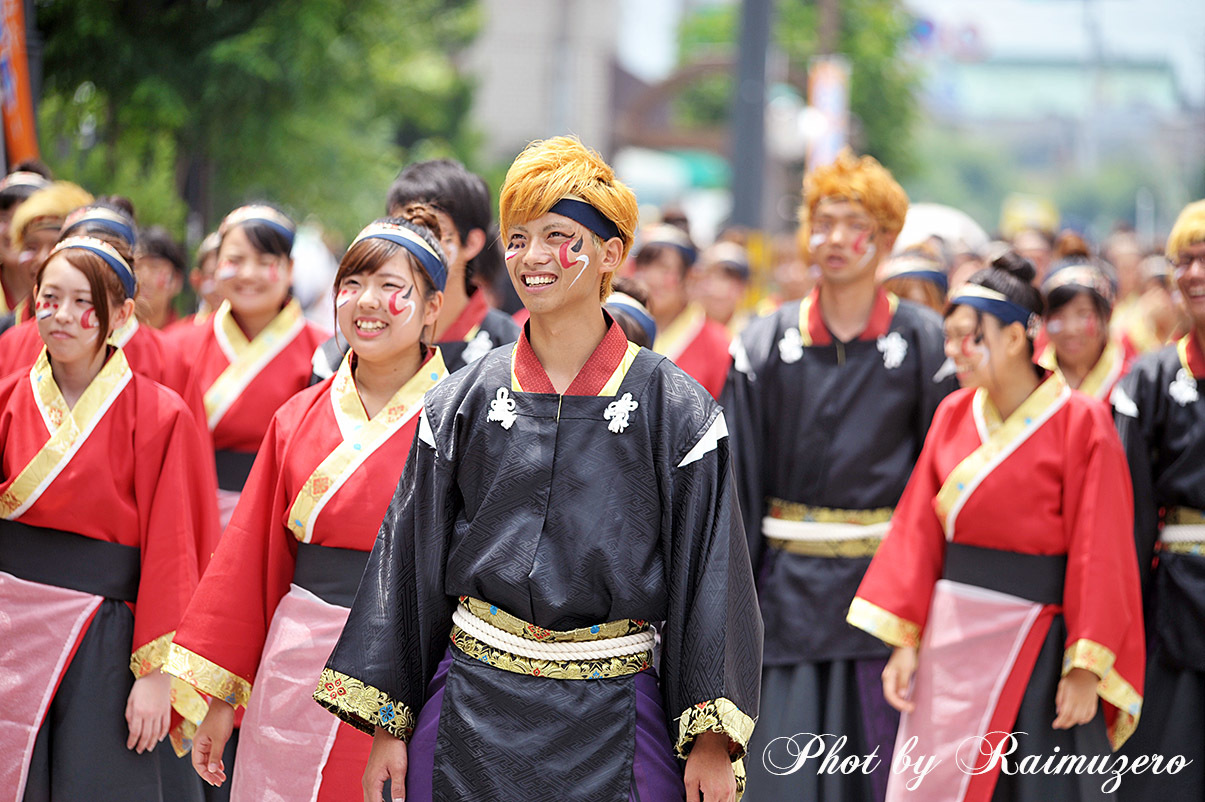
{"x":748,"y":150}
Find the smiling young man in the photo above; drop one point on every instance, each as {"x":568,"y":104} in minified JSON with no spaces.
{"x":562,"y":497}
{"x":1160,"y":416}
{"x":830,"y":399}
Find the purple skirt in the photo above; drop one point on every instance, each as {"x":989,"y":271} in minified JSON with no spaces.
{"x":656,"y":774}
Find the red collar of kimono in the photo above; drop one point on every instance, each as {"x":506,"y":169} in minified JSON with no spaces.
{"x":1191,"y":354}
{"x":590,"y":380}
{"x":469,"y":319}
{"x":878,"y":325}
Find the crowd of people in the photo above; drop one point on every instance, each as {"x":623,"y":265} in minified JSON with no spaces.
{"x":569,"y":508}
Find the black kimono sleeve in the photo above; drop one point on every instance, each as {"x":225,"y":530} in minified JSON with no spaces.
{"x":1136,"y":411}
{"x":712,"y":637}
{"x":743,"y":399}
{"x":399,"y":623}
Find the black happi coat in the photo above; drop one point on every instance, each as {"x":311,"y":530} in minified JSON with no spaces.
{"x":837,"y":425}
{"x":564,"y":522}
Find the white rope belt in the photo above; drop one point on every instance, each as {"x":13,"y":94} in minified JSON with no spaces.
{"x":491,"y":635}
{"x":1182,"y":533}
{"x":813,"y":530}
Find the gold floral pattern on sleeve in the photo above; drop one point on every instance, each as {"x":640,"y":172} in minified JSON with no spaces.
{"x":363,"y":706}
{"x":1112,"y":688}
{"x":207,"y":676}
{"x":715,"y":715}
{"x":1090,"y":655}
{"x":884,"y":625}
{"x":150,"y":656}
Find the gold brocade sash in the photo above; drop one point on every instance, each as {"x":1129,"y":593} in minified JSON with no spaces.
{"x":999,"y":439}
{"x":69,"y":428}
{"x":247,"y":359}
{"x":361,"y":437}
{"x":1103,"y":374}
{"x":680,"y":333}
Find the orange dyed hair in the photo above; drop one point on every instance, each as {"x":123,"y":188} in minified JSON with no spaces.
{"x":1188,"y":230}
{"x":551,"y":169}
{"x":850,"y":178}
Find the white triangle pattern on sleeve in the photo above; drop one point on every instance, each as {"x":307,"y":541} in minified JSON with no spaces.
{"x":717,"y":431}
{"x":1123,"y":403}
{"x":424,"y":429}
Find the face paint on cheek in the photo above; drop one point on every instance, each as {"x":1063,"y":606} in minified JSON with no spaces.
{"x":88,"y":319}
{"x":859,"y":244}
{"x":344,"y":297}
{"x":226,"y":271}
{"x":400,"y":303}
{"x":273,"y":273}
{"x":1054,"y":327}
{"x":815,"y":241}
{"x":511,"y":254}
{"x":582,"y":258}
{"x":866,"y":257}
{"x":45,"y":309}
{"x":1091,"y":327}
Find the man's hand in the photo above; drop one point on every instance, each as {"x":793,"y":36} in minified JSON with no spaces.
{"x":386,"y":761}
{"x":1075,"y":700}
{"x":709,"y":774}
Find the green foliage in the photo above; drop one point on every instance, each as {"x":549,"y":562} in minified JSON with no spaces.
{"x":311,"y":104}
{"x":883,"y":84}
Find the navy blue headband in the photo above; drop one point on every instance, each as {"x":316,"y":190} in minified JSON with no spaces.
{"x":102,"y":218}
{"x":588,"y":216}
{"x":259,"y":213}
{"x":994,"y":303}
{"x":415,"y":245}
{"x":105,"y":251}
{"x":935,"y":276}
{"x":631,"y":307}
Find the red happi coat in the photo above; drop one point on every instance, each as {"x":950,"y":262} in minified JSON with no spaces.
{"x":699,"y":346}
{"x":1049,"y":480}
{"x":324,"y":475}
{"x":127,"y":465}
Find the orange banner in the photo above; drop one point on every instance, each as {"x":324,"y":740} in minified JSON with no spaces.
{"x":20,"y":135}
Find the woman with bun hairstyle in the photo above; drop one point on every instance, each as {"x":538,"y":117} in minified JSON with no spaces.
{"x":1007,"y":583}
{"x":275,"y":597}
{"x":254,"y":354}
{"x":104,"y":493}
{"x":1079,"y":296}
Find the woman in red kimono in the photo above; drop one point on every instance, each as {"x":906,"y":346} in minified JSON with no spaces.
{"x":1079,"y":304}
{"x":275,"y":597}
{"x":103,"y":494}
{"x":255,"y":353}
{"x":1008,"y":583}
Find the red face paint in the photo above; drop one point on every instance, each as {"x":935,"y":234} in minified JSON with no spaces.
{"x":968,"y":345}
{"x":44,"y":309}
{"x":273,"y":273}
{"x":1091,"y":327}
{"x":566,"y":263}
{"x":88,"y":319}
{"x":860,"y":242}
{"x":400,"y":302}
{"x":345,"y":295}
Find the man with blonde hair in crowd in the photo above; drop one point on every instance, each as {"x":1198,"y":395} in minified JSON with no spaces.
{"x":830,"y":399}
{"x":562,"y":494}
{"x":1160,"y":415}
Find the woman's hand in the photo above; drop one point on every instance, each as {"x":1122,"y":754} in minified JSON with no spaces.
{"x":709,"y":770}
{"x":1075,"y":700}
{"x":149,"y":711}
{"x":897,"y":676}
{"x":210,"y":741}
{"x":386,"y":761}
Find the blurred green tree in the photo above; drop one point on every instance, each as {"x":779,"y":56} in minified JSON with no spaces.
{"x":199,"y":105}
{"x":873,"y":35}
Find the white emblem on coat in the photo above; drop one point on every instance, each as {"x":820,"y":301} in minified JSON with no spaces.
{"x":1122,"y":402}
{"x":478,"y":347}
{"x":502,"y":408}
{"x":1183,"y":389}
{"x":790,"y":347}
{"x":618,"y":411}
{"x":894,"y":348}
